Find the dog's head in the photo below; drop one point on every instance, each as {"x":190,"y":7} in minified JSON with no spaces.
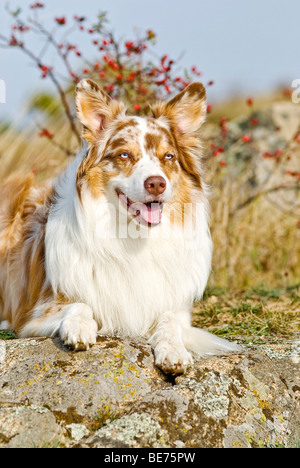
{"x":141,"y":163}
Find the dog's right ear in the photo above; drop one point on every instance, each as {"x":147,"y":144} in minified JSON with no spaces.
{"x":95,"y":109}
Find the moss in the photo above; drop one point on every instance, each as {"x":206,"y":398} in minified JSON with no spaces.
{"x":142,"y":353}
{"x":4,"y":439}
{"x":170,"y":414}
{"x":62,"y":364}
{"x":70,"y":417}
{"x":105,"y":416}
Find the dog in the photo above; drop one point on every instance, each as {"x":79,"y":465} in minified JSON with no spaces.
{"x":119,"y":243}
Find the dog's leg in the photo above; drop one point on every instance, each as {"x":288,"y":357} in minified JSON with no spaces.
{"x":170,"y":353}
{"x":174,"y":335}
{"x":74,"y":323}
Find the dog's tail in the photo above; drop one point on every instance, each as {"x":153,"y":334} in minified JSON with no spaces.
{"x":204,"y":343}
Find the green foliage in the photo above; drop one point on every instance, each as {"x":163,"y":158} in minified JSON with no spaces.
{"x":7,"y":335}
{"x":46,"y":103}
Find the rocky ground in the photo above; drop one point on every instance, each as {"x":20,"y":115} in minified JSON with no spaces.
{"x":113,"y":396}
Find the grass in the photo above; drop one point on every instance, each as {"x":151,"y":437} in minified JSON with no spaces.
{"x":260,"y":312}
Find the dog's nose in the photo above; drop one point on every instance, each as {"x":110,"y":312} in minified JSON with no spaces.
{"x":155,"y":185}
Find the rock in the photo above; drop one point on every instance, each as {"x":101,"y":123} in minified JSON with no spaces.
{"x":113,"y":396}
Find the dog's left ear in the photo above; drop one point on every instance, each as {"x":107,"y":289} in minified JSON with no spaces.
{"x":95,"y":109}
{"x":186,"y":111}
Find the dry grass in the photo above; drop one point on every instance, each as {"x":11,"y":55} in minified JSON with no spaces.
{"x":23,"y":150}
{"x":258,"y":313}
{"x":261,"y":244}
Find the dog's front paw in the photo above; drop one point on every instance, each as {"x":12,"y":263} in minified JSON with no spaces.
{"x":78,"y":329}
{"x":172,"y":359}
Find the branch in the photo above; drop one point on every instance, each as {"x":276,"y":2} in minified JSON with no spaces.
{"x":54,"y":80}
{"x":51,"y":40}
{"x":263,"y":193}
{"x":61,"y":93}
{"x":55,"y":143}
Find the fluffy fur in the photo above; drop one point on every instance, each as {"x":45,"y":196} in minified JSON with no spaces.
{"x":119,"y":243}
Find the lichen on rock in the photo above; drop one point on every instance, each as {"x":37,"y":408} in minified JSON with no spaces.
{"x":133,"y":430}
{"x":113,"y":396}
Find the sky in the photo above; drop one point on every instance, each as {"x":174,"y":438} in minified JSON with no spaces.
{"x":245,"y":46}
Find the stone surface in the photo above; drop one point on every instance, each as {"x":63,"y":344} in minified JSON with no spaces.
{"x":113,"y":396}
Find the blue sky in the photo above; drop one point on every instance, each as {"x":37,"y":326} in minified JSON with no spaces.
{"x":247,"y":46}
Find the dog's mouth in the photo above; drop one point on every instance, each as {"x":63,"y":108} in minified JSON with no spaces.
{"x":148,"y":213}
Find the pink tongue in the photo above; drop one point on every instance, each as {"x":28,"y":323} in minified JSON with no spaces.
{"x":149,"y":213}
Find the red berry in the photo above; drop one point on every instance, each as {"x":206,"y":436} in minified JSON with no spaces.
{"x":62,"y":21}
{"x":46,"y":133}
{"x":246,"y":138}
{"x":297,"y":138}
{"x":37,"y":5}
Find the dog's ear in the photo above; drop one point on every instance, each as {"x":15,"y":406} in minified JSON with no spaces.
{"x":95,"y":109}
{"x":186,"y":111}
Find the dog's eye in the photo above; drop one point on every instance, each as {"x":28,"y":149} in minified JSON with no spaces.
{"x":124,"y":156}
{"x":169,"y":156}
